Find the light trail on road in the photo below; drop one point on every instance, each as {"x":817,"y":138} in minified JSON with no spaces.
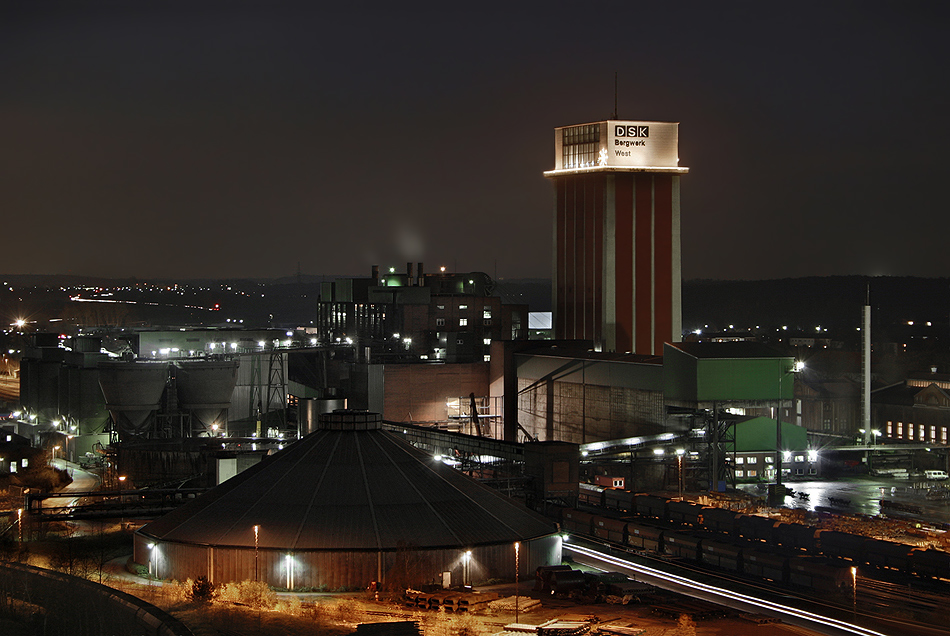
{"x":816,"y":622}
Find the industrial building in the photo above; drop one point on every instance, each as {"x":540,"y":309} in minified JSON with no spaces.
{"x":448,"y":317}
{"x":348,"y":504}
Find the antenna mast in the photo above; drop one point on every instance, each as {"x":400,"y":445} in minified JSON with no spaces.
{"x":616,"y":110}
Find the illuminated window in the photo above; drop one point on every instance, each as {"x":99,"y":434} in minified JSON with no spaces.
{"x":486,"y":341}
{"x":900,"y":429}
{"x":740,"y":460}
{"x":933,"y":433}
{"x":580,"y":145}
{"x":943,"y":435}
{"x":769,"y":459}
{"x":921,"y":431}
{"x":486,"y":358}
{"x":463,"y":322}
{"x":463,"y":306}
{"x":890,"y":428}
{"x":799,"y":458}
{"x":486,"y":313}
{"x":753,"y":473}
{"x":740,"y":473}
{"x":751,"y":460}
{"x":440,"y":306}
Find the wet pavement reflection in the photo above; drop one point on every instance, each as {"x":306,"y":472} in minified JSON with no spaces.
{"x":864,"y":496}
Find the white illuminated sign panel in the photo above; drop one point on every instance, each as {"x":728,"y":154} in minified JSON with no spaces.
{"x":642,"y":143}
{"x":618,"y":144}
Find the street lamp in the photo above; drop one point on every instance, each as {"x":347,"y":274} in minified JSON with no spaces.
{"x":679,"y":463}
{"x":465,"y":567}
{"x":517,"y":549}
{"x":256,"y":531}
{"x":799,"y":366}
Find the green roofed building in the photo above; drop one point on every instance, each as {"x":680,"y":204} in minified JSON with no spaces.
{"x":754,"y":456}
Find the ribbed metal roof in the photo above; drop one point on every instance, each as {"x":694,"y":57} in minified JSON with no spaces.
{"x":351,"y":490}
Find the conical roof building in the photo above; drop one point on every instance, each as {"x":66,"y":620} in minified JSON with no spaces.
{"x":345,"y":506}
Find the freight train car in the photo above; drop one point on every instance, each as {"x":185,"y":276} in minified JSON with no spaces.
{"x":590,"y":495}
{"x":644,"y":537}
{"x":796,"y":537}
{"x":930,"y":563}
{"x":608,"y":529}
{"x":577,"y":521}
{"x":886,"y":554}
{"x":765,"y":565}
{"x":755,"y":528}
{"x":617,"y":499}
{"x":720,"y":520}
{"x":685,"y":513}
{"x":722,"y":555}
{"x":650,"y":506}
{"x":683,"y":545}
{"x":818,"y":574}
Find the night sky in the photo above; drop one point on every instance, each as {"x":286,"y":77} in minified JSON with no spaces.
{"x":233,"y":139}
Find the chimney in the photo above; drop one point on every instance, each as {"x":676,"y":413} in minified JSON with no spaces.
{"x":421,"y":282}
{"x":375,"y":274}
{"x":409,"y":274}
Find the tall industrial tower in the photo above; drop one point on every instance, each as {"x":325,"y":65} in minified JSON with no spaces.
{"x":617,"y":278}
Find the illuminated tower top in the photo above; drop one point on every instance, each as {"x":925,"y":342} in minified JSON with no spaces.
{"x":617,"y":146}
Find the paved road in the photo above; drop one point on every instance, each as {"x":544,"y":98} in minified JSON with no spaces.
{"x":864,"y":496}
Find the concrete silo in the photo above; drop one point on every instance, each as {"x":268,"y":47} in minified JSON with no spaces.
{"x":205,"y":388}
{"x":133,"y":392}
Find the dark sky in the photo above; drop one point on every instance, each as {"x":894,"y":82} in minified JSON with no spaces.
{"x":230,"y":139}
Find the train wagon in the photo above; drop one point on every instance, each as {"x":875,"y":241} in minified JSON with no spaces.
{"x":722,"y":555}
{"x":590,"y":495}
{"x":720,"y":520}
{"x":764,"y":565}
{"x":843,"y":545}
{"x":684,"y":512}
{"x":644,"y":537}
{"x":796,"y":536}
{"x":930,"y":562}
{"x":755,"y":528}
{"x":577,"y":521}
{"x":818,"y":574}
{"x":682,"y":545}
{"x":887,"y":554}
{"x":650,"y":506}
{"x":618,"y":499}
{"x":610,"y":529}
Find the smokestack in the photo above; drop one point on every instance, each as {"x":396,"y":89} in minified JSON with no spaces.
{"x":375,"y":274}
{"x":421,"y":282}
{"x":409,"y":274}
{"x":866,"y":372}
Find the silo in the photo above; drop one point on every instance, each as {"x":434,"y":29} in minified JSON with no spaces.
{"x":205,"y":387}
{"x":132,"y":391}
{"x":310,"y":409}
